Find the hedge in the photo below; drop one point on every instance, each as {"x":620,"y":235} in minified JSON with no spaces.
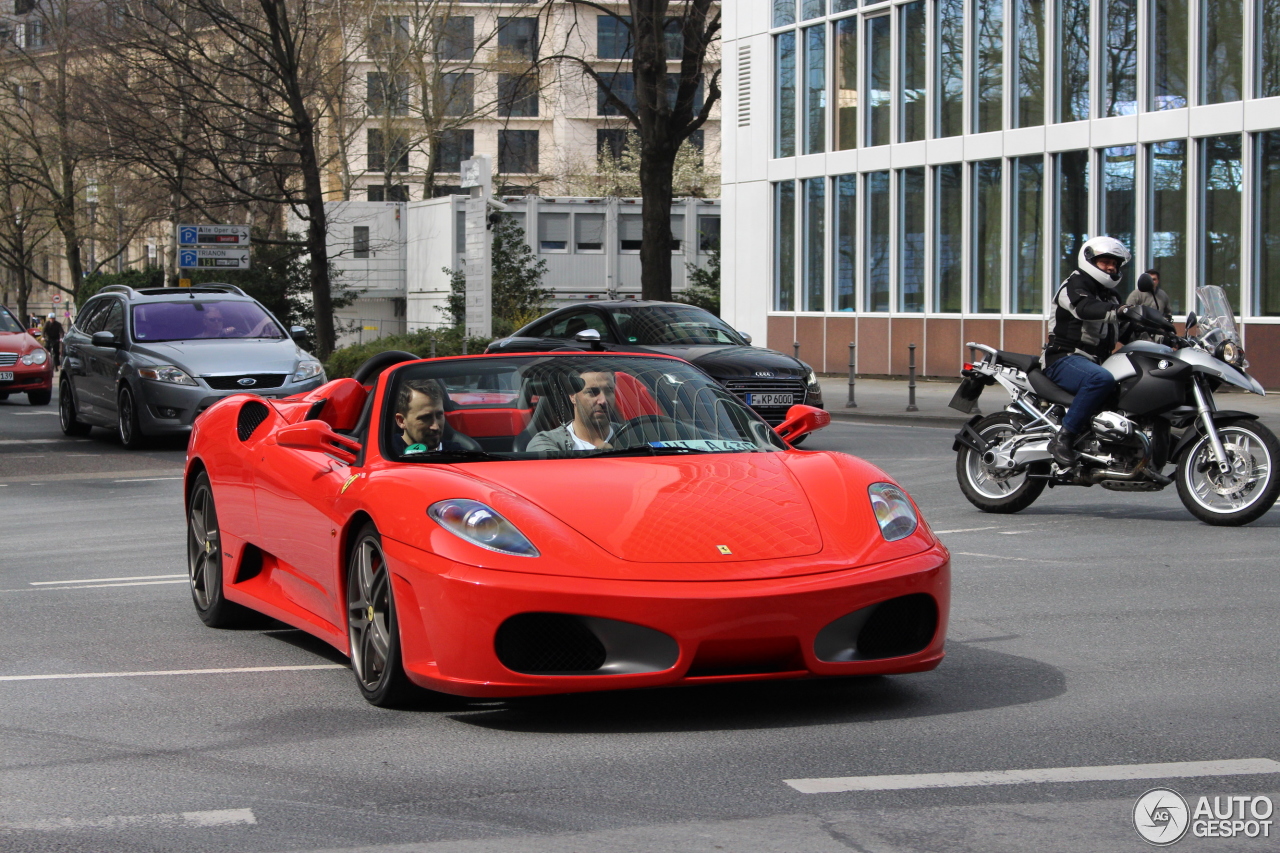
{"x":345,"y":361}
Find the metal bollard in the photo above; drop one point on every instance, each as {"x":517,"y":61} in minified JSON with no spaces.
{"x":796,"y":347}
{"x":464,"y":343}
{"x":433,"y":346}
{"x":911,"y":381}
{"x":853,"y":363}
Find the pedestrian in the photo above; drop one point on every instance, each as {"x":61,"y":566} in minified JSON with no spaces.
{"x":53,"y":338}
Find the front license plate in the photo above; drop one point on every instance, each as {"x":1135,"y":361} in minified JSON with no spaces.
{"x":6,"y":375}
{"x":770,"y":399}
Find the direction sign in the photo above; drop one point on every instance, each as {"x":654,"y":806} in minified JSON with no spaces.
{"x":211,"y":258}
{"x":213,"y":235}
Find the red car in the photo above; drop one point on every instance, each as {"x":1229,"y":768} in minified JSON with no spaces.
{"x":504,"y":525}
{"x":25,"y":366}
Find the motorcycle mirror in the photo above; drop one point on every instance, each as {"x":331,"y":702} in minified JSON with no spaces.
{"x":1192,"y":320}
{"x":1145,"y":284}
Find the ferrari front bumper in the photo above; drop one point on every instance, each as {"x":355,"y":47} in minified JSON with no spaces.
{"x":450,"y":615}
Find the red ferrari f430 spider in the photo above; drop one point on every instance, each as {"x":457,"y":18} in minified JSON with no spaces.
{"x":506,"y":525}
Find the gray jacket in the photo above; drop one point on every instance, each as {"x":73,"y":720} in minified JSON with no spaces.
{"x":1158,"y":299}
{"x":556,"y":440}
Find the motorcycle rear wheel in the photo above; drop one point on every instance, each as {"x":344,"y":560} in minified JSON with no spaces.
{"x":984,"y":488}
{"x":1244,"y":494}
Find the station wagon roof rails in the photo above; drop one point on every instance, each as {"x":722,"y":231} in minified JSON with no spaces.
{"x":196,"y":288}
{"x":118,"y":288}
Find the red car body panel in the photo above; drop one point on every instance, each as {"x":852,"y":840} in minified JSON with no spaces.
{"x":635,"y":540}
{"x":26,"y":377}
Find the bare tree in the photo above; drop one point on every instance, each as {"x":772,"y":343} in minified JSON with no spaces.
{"x":26,"y":230}
{"x":661,"y":105}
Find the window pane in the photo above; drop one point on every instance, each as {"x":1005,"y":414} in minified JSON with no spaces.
{"x":950,"y":67}
{"x":878,"y":80}
{"x":1073,"y":209}
{"x":1118,"y":199}
{"x":847,"y":84}
{"x":845,"y":249}
{"x":1027,"y":270}
{"x":455,"y":146}
{"x":517,"y":151}
{"x":613,"y":37}
{"x":843,"y":5}
{"x":553,"y":232}
{"x":948,"y":240}
{"x":811,"y":9}
{"x":677,"y":232}
{"x":1222,"y":28}
{"x":1167,"y":167}
{"x":708,"y":234}
{"x":1029,"y":110}
{"x":1073,"y":58}
{"x":988,"y":65}
{"x":457,"y":37}
{"x":1120,"y":65}
{"x":1268,"y":49}
{"x":589,"y":232}
{"x":360,"y":241}
{"x":1220,"y":239}
{"x":911,"y":49}
{"x":815,"y":90}
{"x":911,"y":239}
{"x":1168,"y":55}
{"x":518,"y":95}
{"x":519,"y":37}
{"x":622,"y":86}
{"x":784,"y":12}
{"x":785,"y":95}
{"x":877,"y":219}
{"x":1267,"y":230}
{"x":784,"y":229}
{"x":815,"y":239}
{"x":986,"y":237}
{"x":457,"y":94}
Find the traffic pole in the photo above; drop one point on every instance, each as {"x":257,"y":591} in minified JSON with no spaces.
{"x":911,"y":381}
{"x":853,"y":361}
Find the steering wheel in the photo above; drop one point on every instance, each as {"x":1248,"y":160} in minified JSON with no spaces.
{"x":367,"y":372}
{"x":654,"y":428}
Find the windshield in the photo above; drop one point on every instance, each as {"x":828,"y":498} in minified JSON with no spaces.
{"x":562,"y":406}
{"x":678,"y":325}
{"x":1216,"y":322}
{"x":196,"y":319}
{"x":8,"y":323}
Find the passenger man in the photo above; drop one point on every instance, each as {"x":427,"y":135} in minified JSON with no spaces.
{"x":420,"y":414}
{"x":592,"y":425}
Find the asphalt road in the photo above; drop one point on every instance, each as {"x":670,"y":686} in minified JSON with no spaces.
{"x":1093,"y":629}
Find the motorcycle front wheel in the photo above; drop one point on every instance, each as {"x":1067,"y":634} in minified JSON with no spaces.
{"x":1242,"y":494}
{"x":987,"y":489}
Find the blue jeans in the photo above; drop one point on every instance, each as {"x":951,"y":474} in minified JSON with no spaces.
{"x":1091,"y":384}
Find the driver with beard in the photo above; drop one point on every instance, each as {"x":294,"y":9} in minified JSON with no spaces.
{"x":594,"y":401}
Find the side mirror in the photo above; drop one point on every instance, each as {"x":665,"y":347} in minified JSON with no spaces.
{"x":802,"y":420}
{"x":297,"y":333}
{"x":1192,"y":321}
{"x":104,"y":339}
{"x":318,"y":436}
{"x":746,"y":337}
{"x":589,"y":336}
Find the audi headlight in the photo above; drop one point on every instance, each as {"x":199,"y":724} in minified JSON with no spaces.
{"x":811,"y":379}
{"x":307,"y":369}
{"x":481,"y":525}
{"x":36,"y":356}
{"x":166,"y":373}
{"x":894,"y":512}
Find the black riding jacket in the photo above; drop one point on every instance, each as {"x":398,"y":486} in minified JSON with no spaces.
{"x":1084,"y":320}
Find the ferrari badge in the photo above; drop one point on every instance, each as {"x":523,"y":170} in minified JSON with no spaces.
{"x":349,"y":481}
{"x":723,"y":549}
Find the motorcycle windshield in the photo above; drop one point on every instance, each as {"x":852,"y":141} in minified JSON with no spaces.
{"x":1217,"y":323}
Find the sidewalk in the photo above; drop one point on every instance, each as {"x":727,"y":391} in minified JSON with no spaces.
{"x":884,"y":401}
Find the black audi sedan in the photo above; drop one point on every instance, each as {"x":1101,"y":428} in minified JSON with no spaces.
{"x":767,"y":381}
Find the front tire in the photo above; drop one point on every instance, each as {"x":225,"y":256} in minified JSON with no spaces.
{"x":372,"y":627}
{"x":1247,"y":491}
{"x":40,"y":398}
{"x":204,"y":560}
{"x":987,"y":489}
{"x":127,"y":423}
{"x":71,"y":425}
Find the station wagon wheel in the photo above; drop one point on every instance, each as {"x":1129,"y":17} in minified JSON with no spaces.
{"x":71,"y":425}
{"x":204,"y":560}
{"x":127,"y":424}
{"x":372,"y":628}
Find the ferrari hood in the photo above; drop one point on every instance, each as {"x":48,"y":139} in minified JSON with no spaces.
{"x":731,"y":507}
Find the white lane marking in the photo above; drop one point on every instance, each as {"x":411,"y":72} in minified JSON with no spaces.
{"x":32,"y":440}
{"x":965,"y":530}
{"x":146,"y":479}
{"x":105,"y":580}
{"x":1001,"y":557}
{"x":104,"y":585}
{"x":1011,"y":532}
{"x":27,"y":456}
{"x":31,"y":414}
{"x":225,"y":671}
{"x":1109,"y":773}
{"x":220,"y":817}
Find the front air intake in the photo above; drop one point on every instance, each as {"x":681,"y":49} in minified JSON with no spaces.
{"x":540,"y":643}
{"x":894,"y":628}
{"x":252,"y":414}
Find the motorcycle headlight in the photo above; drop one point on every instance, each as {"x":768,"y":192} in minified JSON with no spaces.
{"x":481,"y":525}
{"x":894,"y":512}
{"x":166,"y":373}
{"x":306,"y":370}
{"x":36,"y":356}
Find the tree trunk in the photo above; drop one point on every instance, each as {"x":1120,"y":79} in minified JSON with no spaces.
{"x":657,"y":165}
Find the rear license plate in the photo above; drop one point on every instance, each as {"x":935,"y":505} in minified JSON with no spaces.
{"x":6,"y":375}
{"x":770,"y":399}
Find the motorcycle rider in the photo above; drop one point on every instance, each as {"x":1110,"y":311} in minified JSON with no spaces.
{"x":1082,"y":332}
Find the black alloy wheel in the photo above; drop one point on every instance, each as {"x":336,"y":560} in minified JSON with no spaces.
{"x":71,"y":425}
{"x":127,"y":425}
{"x":40,"y":398}
{"x":372,"y":628}
{"x":204,"y":560}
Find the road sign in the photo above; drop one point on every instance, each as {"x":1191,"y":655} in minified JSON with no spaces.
{"x":57,"y":297}
{"x":213,"y":235}
{"x":211,"y":258}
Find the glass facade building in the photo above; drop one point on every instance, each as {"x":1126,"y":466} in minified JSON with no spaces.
{"x":933,"y":167}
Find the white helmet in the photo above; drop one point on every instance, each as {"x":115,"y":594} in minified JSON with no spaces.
{"x":1098,"y":246}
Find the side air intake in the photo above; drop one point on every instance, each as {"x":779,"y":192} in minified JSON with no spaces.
{"x":894,"y":628}
{"x":252,"y":414}
{"x":567,"y":644}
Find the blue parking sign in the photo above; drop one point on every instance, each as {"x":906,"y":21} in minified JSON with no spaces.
{"x":188,"y":259}
{"x":188,"y":236}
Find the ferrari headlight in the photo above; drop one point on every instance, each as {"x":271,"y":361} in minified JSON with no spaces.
{"x":307,"y":369}
{"x":166,"y":373}
{"x":894,"y":512}
{"x":36,"y":356}
{"x":481,"y":525}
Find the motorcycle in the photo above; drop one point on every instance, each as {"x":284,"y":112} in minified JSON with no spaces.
{"x":1163,"y":414}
